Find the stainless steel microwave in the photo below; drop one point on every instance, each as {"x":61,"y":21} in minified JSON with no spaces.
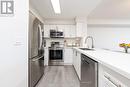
{"x":56,"y":34}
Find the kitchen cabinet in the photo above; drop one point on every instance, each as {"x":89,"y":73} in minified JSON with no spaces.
{"x":73,"y":31}
{"x":46,"y":31}
{"x":77,"y":62}
{"x":110,"y":78}
{"x":53,"y":27}
{"x":74,"y":59}
{"x":79,"y":29}
{"x":68,"y":56}
{"x":69,"y":30}
{"x":60,"y":27}
{"x":111,"y":71}
{"x":46,"y":56}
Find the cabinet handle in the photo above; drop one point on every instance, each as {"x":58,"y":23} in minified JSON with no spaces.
{"x":76,"y":53}
{"x":108,"y":78}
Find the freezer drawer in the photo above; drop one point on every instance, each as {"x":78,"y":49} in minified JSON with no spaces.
{"x":36,"y":71}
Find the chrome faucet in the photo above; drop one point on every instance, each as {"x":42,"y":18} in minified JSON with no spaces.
{"x":91,"y":39}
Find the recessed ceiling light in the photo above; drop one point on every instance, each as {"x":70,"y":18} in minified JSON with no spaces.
{"x":56,"y":6}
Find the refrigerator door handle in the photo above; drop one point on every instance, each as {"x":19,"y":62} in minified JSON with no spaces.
{"x":35,"y":59}
{"x":40,"y":30}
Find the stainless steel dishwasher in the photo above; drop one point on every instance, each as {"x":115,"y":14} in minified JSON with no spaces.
{"x":89,"y":72}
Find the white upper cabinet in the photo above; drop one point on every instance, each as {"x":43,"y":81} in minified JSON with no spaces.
{"x":73,"y":31}
{"x":69,"y":30}
{"x":60,"y":28}
{"x":46,"y":31}
{"x":79,"y":29}
{"x":81,"y":26}
{"x":53,"y":27}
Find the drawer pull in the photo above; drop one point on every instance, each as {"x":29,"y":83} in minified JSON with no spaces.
{"x":108,"y":78}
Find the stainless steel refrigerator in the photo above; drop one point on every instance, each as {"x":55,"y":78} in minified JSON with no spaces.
{"x":36,"y":51}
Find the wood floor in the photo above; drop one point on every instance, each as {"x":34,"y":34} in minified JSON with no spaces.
{"x":59,"y":76}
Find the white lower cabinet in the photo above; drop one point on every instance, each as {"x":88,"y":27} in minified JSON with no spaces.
{"x":110,"y":78}
{"x":74,"y":60}
{"x":77,"y":62}
{"x":46,"y":56}
{"x":68,"y":56}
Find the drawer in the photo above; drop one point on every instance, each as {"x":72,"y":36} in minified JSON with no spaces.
{"x":110,"y":81}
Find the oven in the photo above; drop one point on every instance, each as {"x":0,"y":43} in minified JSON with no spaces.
{"x":56,"y":56}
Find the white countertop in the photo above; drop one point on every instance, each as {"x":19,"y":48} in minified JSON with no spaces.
{"x":119,"y":62}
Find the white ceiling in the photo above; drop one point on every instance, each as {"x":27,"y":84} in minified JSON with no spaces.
{"x":111,"y":9}
{"x":69,"y":8}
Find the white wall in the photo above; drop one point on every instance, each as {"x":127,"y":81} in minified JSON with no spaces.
{"x":109,"y":36}
{"x":14,"y":47}
{"x":102,"y":22}
{"x":111,"y":9}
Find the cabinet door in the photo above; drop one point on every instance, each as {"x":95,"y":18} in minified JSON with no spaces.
{"x":68,"y":56}
{"x":76,"y":64}
{"x":53,"y":27}
{"x":79,"y":64}
{"x":61,"y":28}
{"x":72,"y":31}
{"x":46,"y":56}
{"x":74,"y":59}
{"x":110,"y":78}
{"x":67,"y":31}
{"x":79,"y":29}
{"x":46,"y":31}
